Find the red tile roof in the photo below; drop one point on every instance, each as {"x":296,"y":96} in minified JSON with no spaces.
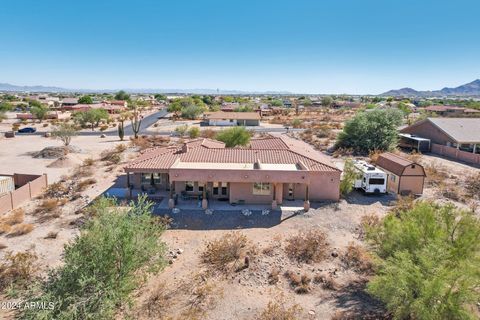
{"x":275,"y":150}
{"x":219,"y":115}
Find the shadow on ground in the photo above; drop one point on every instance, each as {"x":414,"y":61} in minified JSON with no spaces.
{"x":222,"y":219}
{"x":359,"y":303}
{"x":360,"y":198}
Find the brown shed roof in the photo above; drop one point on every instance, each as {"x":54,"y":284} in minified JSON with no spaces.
{"x":394,"y":163}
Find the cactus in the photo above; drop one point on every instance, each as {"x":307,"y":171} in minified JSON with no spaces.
{"x":121,"y":131}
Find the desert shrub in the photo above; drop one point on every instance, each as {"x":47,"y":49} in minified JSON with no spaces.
{"x":280,"y":310}
{"x":181,"y":130}
{"x":208,"y":133}
{"x":348,"y":178}
{"x":56,"y":189}
{"x":274,"y":276}
{"x":450,"y":192}
{"x":20,"y":229}
{"x":236,"y":136}
{"x":225,"y":253}
{"x":472,"y":186}
{"x":327,"y":282}
{"x":103,"y":127}
{"x":307,"y":246}
{"x":82,"y":172}
{"x":111,"y":156}
{"x":51,"y":235}
{"x":367,"y":131}
{"x":300,"y":283}
{"x":158,"y":301}
{"x":4,"y":228}
{"x":50,"y":205}
{"x":103,"y":265}
{"x":82,"y":185}
{"x":88,"y":162}
{"x":403,"y":204}
{"x":120,"y":148}
{"x":428,"y":267}
{"x":357,"y":258}
{"x":436,"y":174}
{"x":201,"y":297}
{"x":194,"y":132}
{"x":14,"y":217}
{"x":16,"y":270}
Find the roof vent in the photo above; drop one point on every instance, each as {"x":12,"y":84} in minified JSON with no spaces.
{"x":185,"y":148}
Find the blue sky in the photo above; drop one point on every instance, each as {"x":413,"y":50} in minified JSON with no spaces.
{"x":305,"y":46}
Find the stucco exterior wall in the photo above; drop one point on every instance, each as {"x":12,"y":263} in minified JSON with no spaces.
{"x":244,"y":191}
{"x":429,"y":131}
{"x":414,"y":185}
{"x":454,"y":153}
{"x":29,"y":189}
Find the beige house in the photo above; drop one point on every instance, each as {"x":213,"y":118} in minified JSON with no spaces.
{"x":268,"y":171}
{"x":221,"y":118}
{"x":404,"y":176}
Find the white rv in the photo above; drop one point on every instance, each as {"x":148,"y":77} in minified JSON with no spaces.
{"x":370,"y":179}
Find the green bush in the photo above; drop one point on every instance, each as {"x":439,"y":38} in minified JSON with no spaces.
{"x":429,"y":258}
{"x":236,"y":136}
{"x":371,"y":130}
{"x":194,"y":132}
{"x":348,"y":178}
{"x":103,"y":265}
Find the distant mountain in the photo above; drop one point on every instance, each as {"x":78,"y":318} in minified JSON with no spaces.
{"x":6,"y":87}
{"x":471,"y":89}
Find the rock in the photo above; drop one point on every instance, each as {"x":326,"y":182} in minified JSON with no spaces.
{"x":170,"y":261}
{"x":311,"y":312}
{"x":103,"y":135}
{"x":179,"y":251}
{"x":334,"y":254}
{"x":47,"y":134}
{"x":174,"y":256}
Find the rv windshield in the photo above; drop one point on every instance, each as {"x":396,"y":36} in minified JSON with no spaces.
{"x":376,"y":181}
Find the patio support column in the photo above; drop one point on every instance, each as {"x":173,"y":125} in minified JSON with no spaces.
{"x":274,"y":200}
{"x":306,"y":203}
{"x":128,"y":186}
{"x":204,"y":196}
{"x":171,"y":201}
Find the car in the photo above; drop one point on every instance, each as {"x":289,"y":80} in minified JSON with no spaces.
{"x":27,"y":130}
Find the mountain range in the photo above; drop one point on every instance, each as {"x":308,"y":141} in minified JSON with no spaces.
{"x":471,"y":89}
{"x":7,"y":87}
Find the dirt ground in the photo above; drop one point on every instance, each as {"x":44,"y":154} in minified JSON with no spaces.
{"x":236,"y":295}
{"x":164,"y":125}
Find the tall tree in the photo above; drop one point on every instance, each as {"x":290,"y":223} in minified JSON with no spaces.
{"x":39,"y":111}
{"x":85,"y":100}
{"x":122,"y":95}
{"x":65,"y":132}
{"x":372,"y":130}
{"x":236,"y":136}
{"x":429,"y":258}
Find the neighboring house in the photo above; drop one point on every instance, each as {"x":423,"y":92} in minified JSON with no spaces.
{"x":220,"y":118}
{"x":405,"y":177}
{"x":268,"y":171}
{"x":287,"y":103}
{"x":450,"y":111}
{"x":84,"y":107}
{"x":120,"y":103}
{"x":460,"y":133}
{"x":346,"y":104}
{"x":69,"y":102}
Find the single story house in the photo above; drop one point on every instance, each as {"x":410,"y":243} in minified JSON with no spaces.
{"x":220,"y":118}
{"x":69,"y":102}
{"x":268,"y":171}
{"x":110,"y":108}
{"x":405,"y":177}
{"x":460,"y":133}
{"x":450,"y":111}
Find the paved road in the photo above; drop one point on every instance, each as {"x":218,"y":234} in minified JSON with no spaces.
{"x":149,"y":121}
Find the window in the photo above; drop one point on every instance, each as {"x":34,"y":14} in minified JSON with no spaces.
{"x":189,"y":186}
{"x":146,"y":178}
{"x":261,"y":188}
{"x":201,"y":185}
{"x":376,"y":181}
{"x":215,"y":188}
{"x":393,"y":177}
{"x":224,"y":188}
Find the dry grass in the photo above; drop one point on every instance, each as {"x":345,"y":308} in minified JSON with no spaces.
{"x":208,"y":133}
{"x":279,"y":310}
{"x":14,"y":217}
{"x":119,"y":148}
{"x":82,"y":185}
{"x":50,"y":205}
{"x":145,"y":142}
{"x":357,"y":258}
{"x":4,"y":228}
{"x":327,"y":282}
{"x":158,"y":302}
{"x":307,"y":246}
{"x":57,"y":189}
{"x":111,"y":156}
{"x":300,"y":283}
{"x":436,"y":174}
{"x":225,"y":253}
{"x":82,"y":172}
{"x":20,"y":229}
{"x":472,"y":186}
{"x":17,"y":269}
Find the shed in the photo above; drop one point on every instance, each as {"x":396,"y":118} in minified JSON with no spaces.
{"x":404,"y":176}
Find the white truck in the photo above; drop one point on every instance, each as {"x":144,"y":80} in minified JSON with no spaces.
{"x":370,"y":179}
